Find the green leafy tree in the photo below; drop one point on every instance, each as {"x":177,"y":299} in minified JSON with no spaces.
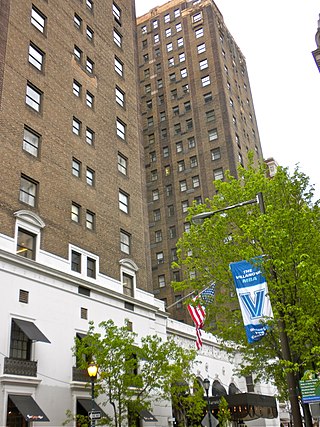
{"x":130,"y":377}
{"x":224,"y":415}
{"x":189,"y":407}
{"x":287,"y":236}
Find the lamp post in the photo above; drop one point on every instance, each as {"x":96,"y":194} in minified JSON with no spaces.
{"x":92,"y":372}
{"x":206,"y":385}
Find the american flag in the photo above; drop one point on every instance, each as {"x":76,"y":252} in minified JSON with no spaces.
{"x":198,"y":312}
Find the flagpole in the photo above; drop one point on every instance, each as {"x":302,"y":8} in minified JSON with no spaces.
{"x":187,"y":296}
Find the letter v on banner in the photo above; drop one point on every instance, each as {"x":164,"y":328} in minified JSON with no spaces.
{"x":253,"y":298}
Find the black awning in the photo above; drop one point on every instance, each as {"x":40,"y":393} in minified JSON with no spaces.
{"x":147,"y":416}
{"x":31,"y":330}
{"x":28,"y":408}
{"x":218,"y":389}
{"x":88,"y":406}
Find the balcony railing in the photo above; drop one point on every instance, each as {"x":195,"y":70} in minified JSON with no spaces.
{"x":20,"y":367}
{"x":80,"y":375}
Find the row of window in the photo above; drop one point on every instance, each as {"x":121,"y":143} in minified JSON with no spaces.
{"x":167,"y":19}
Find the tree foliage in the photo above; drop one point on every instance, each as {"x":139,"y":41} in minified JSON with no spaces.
{"x":288,"y":238}
{"x":131,"y":375}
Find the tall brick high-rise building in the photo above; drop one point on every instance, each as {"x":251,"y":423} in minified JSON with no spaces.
{"x":70,"y":147}
{"x":198,"y":120}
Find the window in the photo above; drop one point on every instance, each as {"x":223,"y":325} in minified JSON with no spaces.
{"x":77,"y":21}
{"x":181,"y":166}
{"x":116,"y":13}
{"x":26,"y":244}
{"x":207,"y":97}
{"x":170,"y":62}
{"x":146,"y":57}
{"x":170,"y":210}
{"x":155,"y":24}
{"x":205,"y":81}
{"x":177,"y":128}
{"x":90,"y":177}
{"x":212,"y":134}
{"x":172,"y":232}
{"x":151,"y":138}
{"x":191,"y":142}
{"x":120,"y":96}
{"x":201,"y":48}
{"x":20,"y":344}
{"x":203,"y":64}
{"x":182,"y":57}
{"x":174,"y":94}
{"x":198,"y":32}
{"x":183,"y":185}
{"x":125,"y":241}
{"x":154,"y":175}
{"x":164,"y":133}
{"x":167,"y":18}
{"x":159,"y":83}
{"x":218,"y":174}
{"x":231,"y":102}
{"x":178,"y":27}
{"x":128,"y":283}
{"x":89,"y":136}
{"x":146,"y":73}
{"x":28,"y":191}
{"x":75,"y":212}
{"x":31,"y":142}
{"x":168,"y":32}
{"x":165,"y":151}
{"x":117,"y":38}
{"x":157,"y":52}
{"x":210,"y":116}
{"x":186,"y":227}
{"x":89,"y":4}
{"x":169,"y":47}
{"x":158,"y":68}
{"x":176,"y":13}
{"x":89,"y":99}
{"x":90,"y":220}
{"x":76,"y":168}
{"x":36,"y":56}
{"x":144,"y":43}
{"x":121,"y":129}
{"x":160,"y":258}
{"x":76,"y":88}
{"x":179,"y":147}
{"x":123,"y":202}
{"x":175,"y":110}
{"x":147,"y":88}
{"x":156,"y":38}
{"x":38,"y":20}
{"x":89,"y":65}
{"x":193,"y":161}
{"x":158,"y":236}
{"x":155,"y":195}
{"x":150,"y":121}
{"x":162,"y":281}
{"x":184,"y":206}
{"x":153,"y":156}
{"x":180,"y":42}
{"x":33,"y":97}
{"x":76,"y":126}
{"x":169,"y":190}
{"x":215,"y":154}
{"x":183,"y":73}
{"x":89,"y":33}
{"x":144,"y":29}
{"x":195,"y":181}
{"x":118,"y":66}
{"x":185,"y":88}
{"x":122,"y":164}
{"x":91,"y":268}
{"x":172,"y":77}
{"x":174,"y":257}
{"x":197,"y":17}
{"x":189,"y":124}
{"x":156,"y":215}
{"x":162,"y":116}
{"x":77,"y":53}
{"x":76,"y":261}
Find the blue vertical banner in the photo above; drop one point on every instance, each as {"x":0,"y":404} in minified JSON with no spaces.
{"x":252,"y":291}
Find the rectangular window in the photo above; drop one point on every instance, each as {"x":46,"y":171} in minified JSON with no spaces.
{"x":150,"y":121}
{"x":213,"y":134}
{"x":89,"y":136}
{"x":156,"y":38}
{"x":168,"y":32}
{"x":158,"y":236}
{"x":198,"y":32}
{"x":170,"y":210}
{"x":91,"y":268}
{"x":172,"y":232}
{"x":118,"y":66}
{"x":28,"y":191}
{"x":90,"y":220}
{"x":183,"y":185}
{"x":187,"y":106}
{"x":185,"y":88}
{"x":176,"y":13}
{"x":177,"y":128}
{"x":121,"y":129}
{"x":155,"y":24}
{"x":160,"y":258}
{"x":218,"y":174}
{"x":154,"y":175}
{"x":90,"y":177}
{"x":117,"y":38}
{"x":116,"y":13}
{"x":155,"y":195}
{"x":180,"y":42}
{"x":169,"y":190}
{"x":77,"y":53}
{"x":76,"y":261}
{"x":89,"y":99}
{"x":33,"y":97}
{"x":207,"y":97}
{"x":38,"y":19}
{"x":156,"y":215}
{"x":31,"y":142}
{"x":122,"y":164}
{"x":144,"y":29}
{"x":203,"y":64}
{"x":75,"y":212}
{"x":89,"y":65}
{"x":162,"y":281}
{"x":76,"y":126}
{"x":89,"y":4}
{"x":184,"y":206}
{"x":169,"y":47}
{"x":205,"y":81}
{"x":125,"y":240}
{"x":193,"y":161}
{"x":181,"y":166}
{"x":210,"y":116}
{"x":189,"y":124}
{"x":195,"y":181}
{"x":128,"y":283}
{"x":123,"y":202}
{"x":167,"y":18}
{"x":76,"y":88}
{"x":215,"y":154}
{"x":77,"y":21}
{"x":191,"y":142}
{"x":162,"y":116}
{"x":20,"y":343}
{"x":26,"y":244}
{"x":179,"y":147}
{"x":159,"y":83}
{"x":182,"y":57}
{"x":76,"y":168}
{"x":197,"y":17}
{"x":201,"y":48}
{"x":178,"y":27}
{"x":89,"y":33}
{"x":36,"y":56}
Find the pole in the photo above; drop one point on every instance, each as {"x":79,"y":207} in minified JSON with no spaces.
{"x":93,"y":421}
{"x":208,"y":404}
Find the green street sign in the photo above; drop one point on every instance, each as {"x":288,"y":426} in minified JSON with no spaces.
{"x":310,"y":390}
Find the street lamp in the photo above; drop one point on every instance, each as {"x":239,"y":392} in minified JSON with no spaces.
{"x":92,"y":372}
{"x":206,"y":385}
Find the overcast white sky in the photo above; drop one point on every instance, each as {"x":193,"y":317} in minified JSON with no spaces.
{"x":277,"y":38}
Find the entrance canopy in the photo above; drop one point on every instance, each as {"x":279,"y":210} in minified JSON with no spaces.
{"x":28,"y":408}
